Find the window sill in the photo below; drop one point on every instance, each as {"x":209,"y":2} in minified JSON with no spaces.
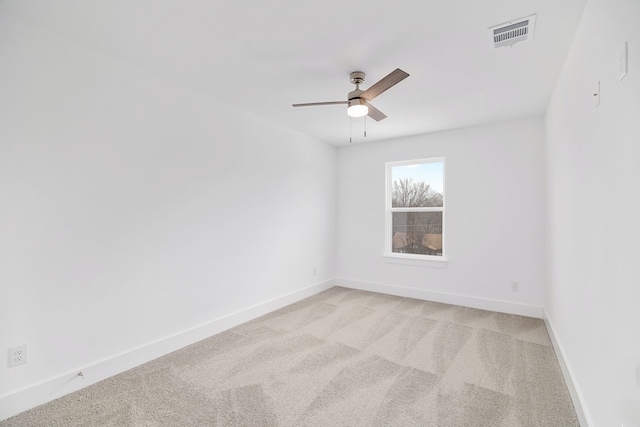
{"x":419,"y":261}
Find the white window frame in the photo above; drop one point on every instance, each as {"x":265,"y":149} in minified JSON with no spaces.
{"x":405,"y":258}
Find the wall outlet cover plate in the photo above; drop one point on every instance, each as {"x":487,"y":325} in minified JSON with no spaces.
{"x":17,"y":355}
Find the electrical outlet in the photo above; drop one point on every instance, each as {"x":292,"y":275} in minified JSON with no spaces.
{"x":314,"y":271}
{"x":17,"y":355}
{"x":515,"y":287}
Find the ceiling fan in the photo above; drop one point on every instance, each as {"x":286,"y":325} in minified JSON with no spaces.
{"x":358,"y":99}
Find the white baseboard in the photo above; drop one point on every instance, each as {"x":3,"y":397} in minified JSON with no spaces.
{"x":447,"y":298}
{"x":569,"y":377}
{"x":29,"y":397}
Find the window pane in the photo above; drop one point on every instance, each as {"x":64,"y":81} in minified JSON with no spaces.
{"x":417,"y":233}
{"x":418,"y":185}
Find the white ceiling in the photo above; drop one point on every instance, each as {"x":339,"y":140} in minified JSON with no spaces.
{"x":263,"y":56}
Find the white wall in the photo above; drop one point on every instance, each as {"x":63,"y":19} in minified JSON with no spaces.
{"x":593,"y":156}
{"x":494,"y":216}
{"x":133,"y":209}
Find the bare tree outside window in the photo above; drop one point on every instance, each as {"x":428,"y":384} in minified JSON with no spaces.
{"x":408,"y":194}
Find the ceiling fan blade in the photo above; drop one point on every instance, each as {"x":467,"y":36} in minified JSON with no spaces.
{"x":385,"y":83}
{"x":309,"y":104}
{"x":375,"y":114}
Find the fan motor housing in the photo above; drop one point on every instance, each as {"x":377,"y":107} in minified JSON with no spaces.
{"x":354,"y":94}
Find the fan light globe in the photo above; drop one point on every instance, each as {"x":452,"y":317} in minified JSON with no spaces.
{"x":357,"y":110}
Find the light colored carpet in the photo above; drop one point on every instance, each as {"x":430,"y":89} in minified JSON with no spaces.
{"x":340,"y":358}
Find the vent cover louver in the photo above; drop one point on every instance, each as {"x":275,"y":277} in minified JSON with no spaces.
{"x":512,"y":32}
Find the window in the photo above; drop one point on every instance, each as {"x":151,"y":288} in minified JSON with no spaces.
{"x":415,"y":209}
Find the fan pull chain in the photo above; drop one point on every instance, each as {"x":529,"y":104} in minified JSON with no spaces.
{"x":365,"y":126}
{"x":350,"y":120}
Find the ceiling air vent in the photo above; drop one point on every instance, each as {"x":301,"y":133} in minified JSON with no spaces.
{"x":512,"y":32}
